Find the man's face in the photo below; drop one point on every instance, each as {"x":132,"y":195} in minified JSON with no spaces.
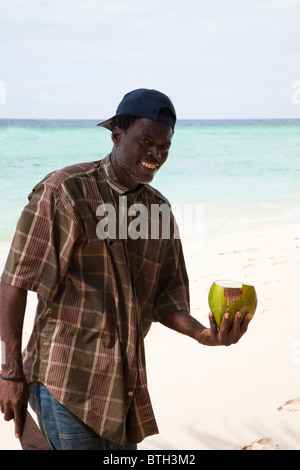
{"x":140,"y":151}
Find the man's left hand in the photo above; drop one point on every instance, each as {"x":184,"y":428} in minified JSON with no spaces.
{"x":224,"y":336}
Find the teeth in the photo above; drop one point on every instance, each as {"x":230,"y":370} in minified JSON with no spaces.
{"x":149,"y":165}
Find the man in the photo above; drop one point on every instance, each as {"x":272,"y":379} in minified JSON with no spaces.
{"x":98,"y":291}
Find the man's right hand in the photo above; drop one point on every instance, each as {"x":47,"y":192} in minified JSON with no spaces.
{"x":14,"y":396}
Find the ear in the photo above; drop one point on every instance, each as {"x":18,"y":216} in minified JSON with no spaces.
{"x":116,"y":135}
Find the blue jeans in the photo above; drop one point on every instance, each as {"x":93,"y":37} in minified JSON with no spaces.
{"x":62,"y":429}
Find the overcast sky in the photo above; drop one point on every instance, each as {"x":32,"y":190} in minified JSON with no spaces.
{"x":216,"y":59}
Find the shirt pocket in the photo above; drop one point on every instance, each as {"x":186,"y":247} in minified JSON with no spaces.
{"x":145,"y":274}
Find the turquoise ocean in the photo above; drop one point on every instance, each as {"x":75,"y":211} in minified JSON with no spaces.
{"x":242,"y":174}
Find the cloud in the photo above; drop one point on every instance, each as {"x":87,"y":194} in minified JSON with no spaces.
{"x":75,"y":12}
{"x":277,"y":4}
{"x":59,"y":12}
{"x":194,"y":48}
{"x":119,"y":8}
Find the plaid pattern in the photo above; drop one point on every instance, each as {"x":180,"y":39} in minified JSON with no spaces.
{"x":96,"y":298}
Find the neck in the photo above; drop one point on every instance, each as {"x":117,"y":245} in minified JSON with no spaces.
{"x":122,"y":176}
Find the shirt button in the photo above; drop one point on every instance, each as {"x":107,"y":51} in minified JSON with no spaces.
{"x":130,"y":394}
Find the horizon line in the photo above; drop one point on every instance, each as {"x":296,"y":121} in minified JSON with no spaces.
{"x":178,"y":120}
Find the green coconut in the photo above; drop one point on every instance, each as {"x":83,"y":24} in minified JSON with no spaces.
{"x":231,"y":296}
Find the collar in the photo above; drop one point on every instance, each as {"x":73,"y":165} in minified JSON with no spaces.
{"x":112,"y":180}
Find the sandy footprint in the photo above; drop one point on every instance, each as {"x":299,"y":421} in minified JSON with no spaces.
{"x":248,"y":265}
{"x":262,"y":444}
{"x":290,"y":405}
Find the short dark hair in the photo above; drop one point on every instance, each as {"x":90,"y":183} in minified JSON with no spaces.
{"x":124,"y":121}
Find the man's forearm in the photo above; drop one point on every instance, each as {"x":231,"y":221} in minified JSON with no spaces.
{"x":12,"y":311}
{"x":184,"y":323}
{"x":212,"y":336}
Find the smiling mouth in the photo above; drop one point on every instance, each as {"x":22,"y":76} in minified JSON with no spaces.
{"x":150,"y":166}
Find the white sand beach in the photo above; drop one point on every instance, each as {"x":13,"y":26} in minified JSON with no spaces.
{"x":226,"y":398}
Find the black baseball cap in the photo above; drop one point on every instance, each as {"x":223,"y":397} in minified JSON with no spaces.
{"x":145,"y":103}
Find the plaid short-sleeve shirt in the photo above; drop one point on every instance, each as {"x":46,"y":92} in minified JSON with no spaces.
{"x":97,"y":297}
